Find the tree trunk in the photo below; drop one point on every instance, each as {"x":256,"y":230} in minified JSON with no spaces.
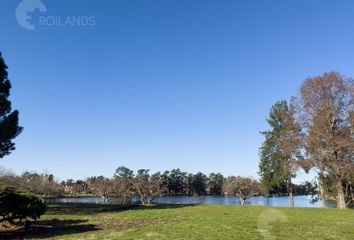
{"x":323,"y":195}
{"x":291,"y":198}
{"x":352,"y":196}
{"x":340,"y":195}
{"x":267,"y":200}
{"x":242,"y":201}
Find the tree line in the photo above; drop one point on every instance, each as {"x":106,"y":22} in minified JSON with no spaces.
{"x":314,"y":131}
{"x":126,"y":184}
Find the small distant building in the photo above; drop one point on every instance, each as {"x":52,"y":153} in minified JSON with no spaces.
{"x":75,"y":186}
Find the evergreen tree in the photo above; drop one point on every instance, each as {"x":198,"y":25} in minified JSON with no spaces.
{"x":280,"y":151}
{"x":216,"y":181}
{"x":9,"y":128}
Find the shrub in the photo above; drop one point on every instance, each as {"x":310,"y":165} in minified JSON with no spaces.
{"x":18,"y":205}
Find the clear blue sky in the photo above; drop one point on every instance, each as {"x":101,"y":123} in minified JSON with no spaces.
{"x":163,"y":84}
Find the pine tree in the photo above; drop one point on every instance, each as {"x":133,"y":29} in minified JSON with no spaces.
{"x":9,"y":128}
{"x":281,"y":149}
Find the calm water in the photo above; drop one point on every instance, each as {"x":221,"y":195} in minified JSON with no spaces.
{"x":300,"y":201}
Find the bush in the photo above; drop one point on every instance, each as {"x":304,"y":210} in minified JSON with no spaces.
{"x":18,"y":205}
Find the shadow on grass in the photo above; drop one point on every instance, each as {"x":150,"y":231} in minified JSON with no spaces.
{"x":168,"y":206}
{"x":56,"y":228}
{"x":86,"y":208}
{"x":93,"y":208}
{"x":47,"y":229}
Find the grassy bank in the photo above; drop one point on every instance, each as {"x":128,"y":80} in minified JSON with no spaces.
{"x":109,"y":221}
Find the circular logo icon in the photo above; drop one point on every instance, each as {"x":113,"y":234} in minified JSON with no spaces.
{"x":24,"y":8}
{"x":265,"y":220}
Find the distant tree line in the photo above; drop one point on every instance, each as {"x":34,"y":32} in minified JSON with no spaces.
{"x":126,"y":184}
{"x":176,"y":182}
{"x":43,"y":185}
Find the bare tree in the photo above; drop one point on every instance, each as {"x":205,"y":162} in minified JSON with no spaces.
{"x":243,"y":187}
{"x":147,"y":186}
{"x":327,"y":107}
{"x":123,"y":178}
{"x":101,"y":186}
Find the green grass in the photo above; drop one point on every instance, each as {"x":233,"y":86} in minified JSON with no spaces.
{"x":109,"y":221}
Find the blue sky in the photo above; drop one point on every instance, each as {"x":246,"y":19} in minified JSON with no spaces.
{"x":163,"y":84}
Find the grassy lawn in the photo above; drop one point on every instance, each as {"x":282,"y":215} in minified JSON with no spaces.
{"x":109,"y":221}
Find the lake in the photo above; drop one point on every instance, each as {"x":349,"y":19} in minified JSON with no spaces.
{"x":300,"y":201}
